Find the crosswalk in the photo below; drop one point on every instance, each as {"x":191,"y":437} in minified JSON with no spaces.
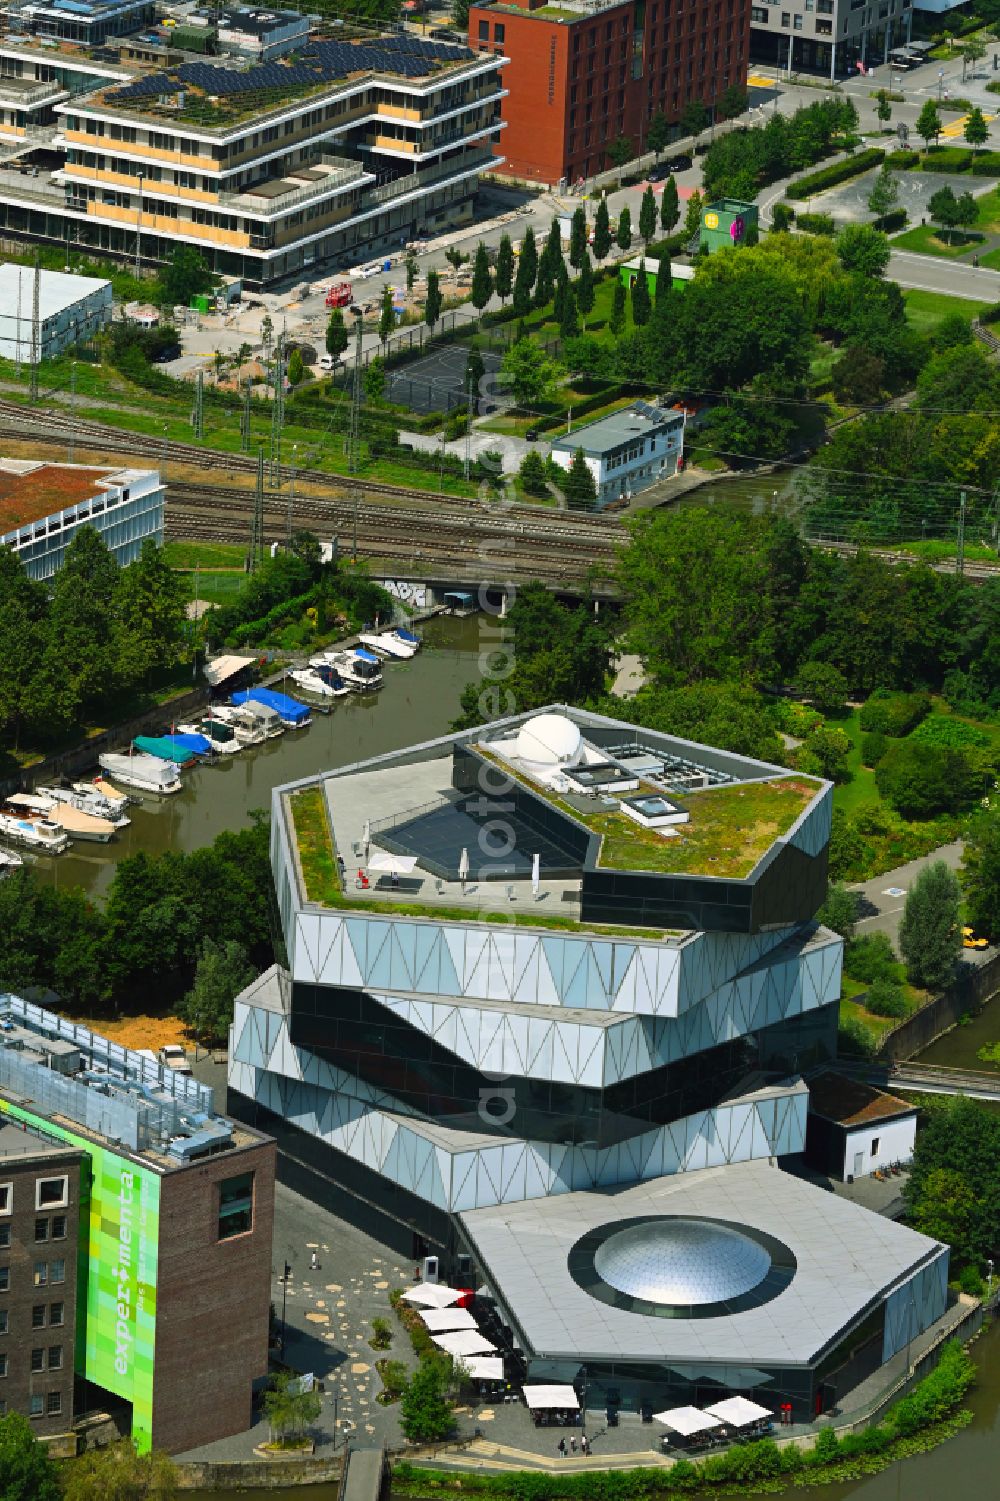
{"x":955,"y":129}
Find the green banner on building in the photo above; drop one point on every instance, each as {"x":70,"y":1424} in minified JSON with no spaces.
{"x":116,"y":1286}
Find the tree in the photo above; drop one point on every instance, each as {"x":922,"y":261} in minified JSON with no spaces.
{"x":641,"y":305}
{"x":884,"y":110}
{"x":928,"y":126}
{"x":824,"y":686}
{"x":460,"y":15}
{"x":966,"y":211}
{"x":858,"y":375}
{"x":569,"y":322}
{"x":580,"y":488}
{"x":578,"y":237}
{"x":23,"y":608}
{"x":296,"y":368}
{"x":659,"y":132}
{"x":584,"y":288}
{"x":733,"y":102}
{"x":432,"y":305}
{"x":976,"y":129}
{"x":694,"y":118}
{"x":412,"y":271}
{"x":504,"y":284}
{"x":930,"y":934}
{"x":386,"y":316}
{"x":944,"y":210}
{"x":692,"y":218}
{"x":375,"y":379}
{"x":670,"y":208}
{"x":81,"y":617}
{"x":840,"y":910}
{"x":528,"y":372}
{"x":337,"y":337}
{"x":782,"y":217}
{"x":26,"y":1472}
{"x":602,"y":230}
{"x":962,"y":1138}
{"x":620,"y":151}
{"x":616,"y":322}
{"x":884,"y":194}
{"x":920,"y":780}
{"x":482,"y":281}
{"x":647,"y":216}
{"x":185,"y":274}
{"x":118,"y":1473}
{"x":289,"y":1409}
{"x":981,"y":871}
{"x":824,"y":753}
{"x":266,"y":334}
{"x":527,"y":271}
{"x":532,"y":475}
{"x":425,"y":1414}
{"x":972,"y":50}
{"x":862,"y":248}
{"x":623,"y":234}
{"x":150,"y":615}
{"x":944,"y":1208}
{"x":729,"y":715}
{"x":223,"y":970}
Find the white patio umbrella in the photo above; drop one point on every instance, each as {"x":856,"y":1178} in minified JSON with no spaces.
{"x":463,"y":866}
{"x":465,"y":1342}
{"x":432,"y":1295}
{"x":536,"y":873}
{"x":686,"y":1420}
{"x":402,"y":865}
{"x":447,"y":1320}
{"x":739,"y":1411}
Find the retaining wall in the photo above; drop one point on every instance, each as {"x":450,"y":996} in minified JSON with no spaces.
{"x":971,"y":991}
{"x":259,"y":1474}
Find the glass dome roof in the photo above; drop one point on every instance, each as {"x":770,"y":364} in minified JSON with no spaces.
{"x":681,"y":1261}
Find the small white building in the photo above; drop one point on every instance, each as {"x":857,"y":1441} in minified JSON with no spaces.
{"x":70,"y":308}
{"x":261,"y":34}
{"x":42,"y":506}
{"x":854,"y":1129}
{"x":626,"y":451}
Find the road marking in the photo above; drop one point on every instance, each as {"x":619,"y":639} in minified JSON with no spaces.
{"x":955,"y":128}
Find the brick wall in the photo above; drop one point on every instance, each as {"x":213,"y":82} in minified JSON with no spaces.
{"x":213,"y":1299}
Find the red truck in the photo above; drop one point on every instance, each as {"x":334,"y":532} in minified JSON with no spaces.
{"x":339,"y":295}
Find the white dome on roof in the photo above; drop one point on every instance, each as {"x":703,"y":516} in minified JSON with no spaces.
{"x":682,"y":1261}
{"x":550,"y":740}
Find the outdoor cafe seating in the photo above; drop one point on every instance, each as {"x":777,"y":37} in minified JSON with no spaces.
{"x":735,"y":1419}
{"x":552,"y":1406}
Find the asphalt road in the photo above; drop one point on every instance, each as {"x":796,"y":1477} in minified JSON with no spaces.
{"x":881,"y":902}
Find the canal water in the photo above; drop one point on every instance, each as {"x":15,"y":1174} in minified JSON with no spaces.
{"x":418,"y":701}
{"x":965,"y":1468}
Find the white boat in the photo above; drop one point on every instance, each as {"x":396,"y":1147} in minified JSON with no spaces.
{"x":261,"y":716}
{"x":361,"y":670}
{"x":388,"y":644}
{"x":244,"y":726}
{"x":88,"y":799}
{"x":329,"y":674}
{"x":406,"y":637}
{"x":221,"y":737}
{"x":145,"y":773}
{"x":9,"y":862}
{"x":77,"y":823}
{"x":42,"y":834}
{"x":114,"y":796}
{"x":310,"y":681}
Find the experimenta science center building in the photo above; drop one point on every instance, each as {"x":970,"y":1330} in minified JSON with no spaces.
{"x":550,"y":1021}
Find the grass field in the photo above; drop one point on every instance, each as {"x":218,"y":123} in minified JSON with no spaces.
{"x":204,"y":554}
{"x":991,"y":259}
{"x":925,"y":310}
{"x":861,"y":790}
{"x":929,"y":241}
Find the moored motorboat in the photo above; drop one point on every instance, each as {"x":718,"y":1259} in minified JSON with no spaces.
{"x":387,"y":644}
{"x":42,"y":834}
{"x":408,"y":638}
{"x":262,"y":716}
{"x":221,"y":737}
{"x":329,"y":675}
{"x":9,"y":862}
{"x":77,"y":823}
{"x":243,"y":724}
{"x":360,"y":669}
{"x":88,"y":799}
{"x":309,"y":680}
{"x":144,"y":772}
{"x":115,"y":796}
{"x":292,"y":714}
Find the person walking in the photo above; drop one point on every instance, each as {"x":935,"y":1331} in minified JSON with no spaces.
{"x":583,"y":1444}
{"x":562,"y":1447}
{"x":572,"y":1444}
{"x":314,"y":1262}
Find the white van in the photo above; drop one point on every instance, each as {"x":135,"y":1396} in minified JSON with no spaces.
{"x":328,"y":362}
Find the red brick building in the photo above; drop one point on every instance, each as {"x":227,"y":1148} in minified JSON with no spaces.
{"x":583,"y":74}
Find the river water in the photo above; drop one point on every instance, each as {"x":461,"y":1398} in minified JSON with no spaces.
{"x":418,"y":701}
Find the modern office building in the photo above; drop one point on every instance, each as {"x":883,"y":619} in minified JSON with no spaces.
{"x":553,"y":984}
{"x":40,"y":1213}
{"x":627,"y":451}
{"x":587,"y":72}
{"x":346,"y":148}
{"x":150,"y":1219}
{"x":829,"y":36}
{"x":43,"y":506}
{"x":70,"y":309}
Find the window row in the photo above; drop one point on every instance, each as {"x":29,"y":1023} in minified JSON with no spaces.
{"x":50,"y":1193}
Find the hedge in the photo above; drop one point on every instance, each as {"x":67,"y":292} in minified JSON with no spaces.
{"x":828,"y":177}
{"x":895,"y":219}
{"x":986,"y":164}
{"x":902,"y":161}
{"x":816,"y":224}
{"x":947,"y":159}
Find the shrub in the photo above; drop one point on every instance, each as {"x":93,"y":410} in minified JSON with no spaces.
{"x":873,"y":747}
{"x":828,"y":177}
{"x":894,"y":713}
{"x":794,"y":718}
{"x":947,"y":159}
{"x":896,"y":218}
{"x":986,"y":164}
{"x":854,"y":1039}
{"x":782,"y":216}
{"x":902,"y":161}
{"x":937,"y":1395}
{"x":886,"y":999}
{"x":816,"y":224}
{"x":871,"y":959}
{"x":944,"y":731}
{"x":921,"y":780}
{"x":381,"y":1334}
{"x":840,"y":910}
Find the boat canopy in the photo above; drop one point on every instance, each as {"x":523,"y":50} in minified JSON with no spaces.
{"x":196,"y":743}
{"x":164,"y":747}
{"x":283,"y":706}
{"x":367,"y":656}
{"x":405,"y":635}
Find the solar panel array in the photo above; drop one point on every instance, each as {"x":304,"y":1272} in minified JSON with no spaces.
{"x":322,"y":62}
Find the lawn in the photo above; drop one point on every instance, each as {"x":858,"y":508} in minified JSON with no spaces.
{"x":925,"y":310}
{"x":204,"y":554}
{"x":988,"y":207}
{"x":927,"y":241}
{"x":861,"y":790}
{"x":991,"y":259}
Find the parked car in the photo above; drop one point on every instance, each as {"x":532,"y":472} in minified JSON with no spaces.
{"x":167,"y":353}
{"x":328,"y":362}
{"x":659,"y":172}
{"x":678,"y":164}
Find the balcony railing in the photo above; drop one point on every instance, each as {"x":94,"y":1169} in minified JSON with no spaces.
{"x":412,"y":182}
{"x":341,"y":173}
{"x":25,"y":93}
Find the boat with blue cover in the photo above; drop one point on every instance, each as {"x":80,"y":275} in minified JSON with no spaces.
{"x":165,"y":748}
{"x":190,"y":740}
{"x":293,"y":715}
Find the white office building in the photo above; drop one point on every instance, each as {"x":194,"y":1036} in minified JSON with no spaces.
{"x":70,"y":308}
{"x":626,"y":451}
{"x":43,"y":506}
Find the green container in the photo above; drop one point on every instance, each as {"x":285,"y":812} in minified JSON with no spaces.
{"x":202,"y":302}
